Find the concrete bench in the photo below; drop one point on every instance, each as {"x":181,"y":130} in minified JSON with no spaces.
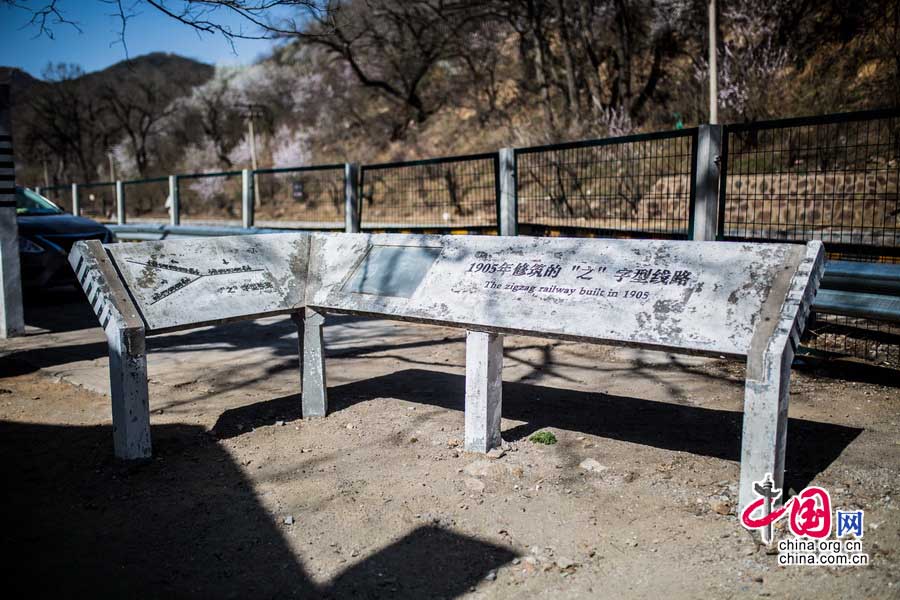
{"x":746,"y":301}
{"x":152,"y":288}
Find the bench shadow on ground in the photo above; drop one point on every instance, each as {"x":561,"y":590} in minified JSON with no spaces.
{"x":185,"y":524}
{"x":812,"y":446}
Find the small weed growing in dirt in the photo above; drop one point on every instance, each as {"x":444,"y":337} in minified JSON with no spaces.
{"x":543,"y":437}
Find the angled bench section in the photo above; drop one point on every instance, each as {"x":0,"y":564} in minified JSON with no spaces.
{"x":151,"y":288}
{"x":711,"y":298}
{"x":745,"y":301}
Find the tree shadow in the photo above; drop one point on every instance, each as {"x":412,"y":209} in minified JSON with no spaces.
{"x":811,"y":446}
{"x":186,"y":523}
{"x":430,"y":562}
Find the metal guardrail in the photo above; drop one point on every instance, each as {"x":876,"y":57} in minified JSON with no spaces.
{"x":863,"y":277}
{"x":858,"y":304}
{"x":147,"y":231}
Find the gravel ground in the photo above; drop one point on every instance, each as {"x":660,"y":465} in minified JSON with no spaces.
{"x":242,"y":497}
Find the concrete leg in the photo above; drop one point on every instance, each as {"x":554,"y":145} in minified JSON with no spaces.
{"x":298,"y":319}
{"x":484,"y":390}
{"x":128,"y":388}
{"x":764,"y":435}
{"x":312,"y":349}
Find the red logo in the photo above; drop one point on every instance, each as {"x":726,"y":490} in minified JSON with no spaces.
{"x":810,"y":511}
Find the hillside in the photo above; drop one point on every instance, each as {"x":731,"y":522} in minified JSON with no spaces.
{"x":383,"y":81}
{"x":75,"y":118}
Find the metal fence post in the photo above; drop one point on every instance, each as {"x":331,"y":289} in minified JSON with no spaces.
{"x":76,"y":203}
{"x":509,"y":212}
{"x":120,"y":203}
{"x":351,"y":197}
{"x":12,"y":321}
{"x":174,"y":201}
{"x":705,"y":214}
{"x":247,"y":198}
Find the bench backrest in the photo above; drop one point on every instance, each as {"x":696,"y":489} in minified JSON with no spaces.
{"x":180,"y":284}
{"x":706,"y":297}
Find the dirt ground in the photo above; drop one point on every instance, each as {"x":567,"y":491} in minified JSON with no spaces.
{"x":244,"y":499}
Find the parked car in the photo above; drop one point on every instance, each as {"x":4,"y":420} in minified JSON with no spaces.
{"x":46,"y":233}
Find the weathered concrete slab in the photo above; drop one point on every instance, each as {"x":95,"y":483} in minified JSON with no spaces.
{"x":705,"y":297}
{"x":187,"y":283}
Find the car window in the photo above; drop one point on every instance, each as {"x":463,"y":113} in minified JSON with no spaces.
{"x":31,"y":203}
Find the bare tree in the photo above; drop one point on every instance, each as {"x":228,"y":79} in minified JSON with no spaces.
{"x":396,"y":47}
{"x":138,"y":108}
{"x":71,"y":121}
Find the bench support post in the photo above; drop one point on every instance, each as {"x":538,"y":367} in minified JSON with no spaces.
{"x":125,"y":334}
{"x":764,"y":435}
{"x":128,"y":389}
{"x":484,"y":390}
{"x":766,"y":394}
{"x":314,"y":394}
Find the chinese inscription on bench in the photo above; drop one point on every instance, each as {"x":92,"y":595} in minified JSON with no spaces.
{"x":531,"y":277}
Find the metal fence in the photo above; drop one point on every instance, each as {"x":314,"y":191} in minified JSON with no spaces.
{"x":210,"y":198}
{"x":833,"y":178}
{"x":302,"y":197}
{"x":146,"y":199}
{"x":95,"y":200}
{"x":457,"y":192}
{"x":98,"y":200}
{"x":633,"y":186}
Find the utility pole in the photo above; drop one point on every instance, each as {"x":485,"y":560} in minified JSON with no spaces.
{"x":112,"y":166}
{"x":251,"y":112}
{"x":713,"y":67}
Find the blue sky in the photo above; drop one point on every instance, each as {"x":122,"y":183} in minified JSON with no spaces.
{"x":97,"y":47}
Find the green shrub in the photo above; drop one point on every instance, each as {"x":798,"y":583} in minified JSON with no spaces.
{"x":543,"y":437}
